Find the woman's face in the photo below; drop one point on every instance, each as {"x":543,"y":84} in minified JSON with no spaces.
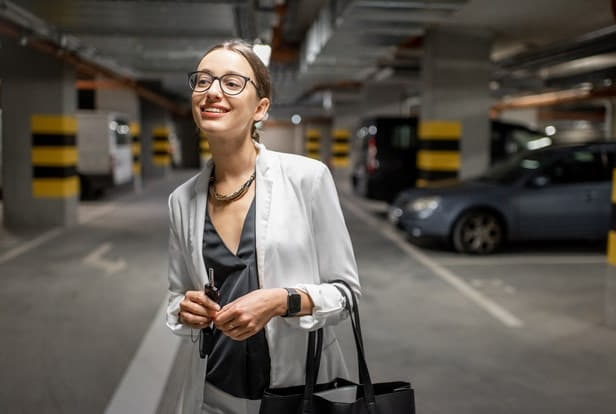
{"x":218,"y":114}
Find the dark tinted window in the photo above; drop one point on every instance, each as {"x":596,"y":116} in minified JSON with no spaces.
{"x":578,"y":166}
{"x":402,"y":137}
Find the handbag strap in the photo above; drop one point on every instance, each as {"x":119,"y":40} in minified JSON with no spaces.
{"x":313,"y":357}
{"x":364,"y":373}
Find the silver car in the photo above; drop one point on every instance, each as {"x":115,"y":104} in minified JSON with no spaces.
{"x":560,"y":192}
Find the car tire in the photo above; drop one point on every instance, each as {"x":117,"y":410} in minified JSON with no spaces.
{"x":478,"y":232}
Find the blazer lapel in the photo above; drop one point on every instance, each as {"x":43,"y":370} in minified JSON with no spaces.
{"x":197,"y":222}
{"x":264,"y":186}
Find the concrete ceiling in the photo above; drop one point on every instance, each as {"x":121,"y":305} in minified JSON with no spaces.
{"x":347,"y":46}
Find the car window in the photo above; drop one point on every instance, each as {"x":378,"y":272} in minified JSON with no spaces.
{"x":402,"y":137}
{"x":577,"y":166}
{"x":508,"y":171}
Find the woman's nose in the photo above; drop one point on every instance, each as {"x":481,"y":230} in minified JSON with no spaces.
{"x":215,"y":89}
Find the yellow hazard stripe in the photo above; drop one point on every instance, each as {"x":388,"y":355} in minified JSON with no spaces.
{"x":54,"y":124}
{"x":161,"y":146}
{"x":137,"y":168}
{"x":161,"y":132}
{"x":313,"y":146}
{"x":340,"y":161}
{"x":611,"y":247}
{"x":136,"y":148}
{"x":341,"y":133}
{"x":135,"y":129}
{"x":438,"y":160}
{"x":341,"y":147}
{"x":55,"y":187}
{"x":162,"y":160}
{"x":313,"y":133}
{"x":449,"y":130}
{"x":314,"y":155}
{"x":204,"y":145}
{"x":54,"y":156}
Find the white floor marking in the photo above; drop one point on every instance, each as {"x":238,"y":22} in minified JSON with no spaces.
{"x":144,"y":381}
{"x":448,"y":276}
{"x":52,"y":234}
{"x":525,"y":260}
{"x":30,"y":244}
{"x":95,"y":259}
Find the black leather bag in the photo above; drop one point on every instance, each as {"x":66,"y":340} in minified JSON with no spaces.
{"x":340,"y":396}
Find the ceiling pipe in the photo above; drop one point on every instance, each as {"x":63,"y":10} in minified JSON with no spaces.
{"x":554,"y":98}
{"x":51,"y":48}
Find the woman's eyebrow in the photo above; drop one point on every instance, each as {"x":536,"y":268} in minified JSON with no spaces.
{"x":229,"y":72}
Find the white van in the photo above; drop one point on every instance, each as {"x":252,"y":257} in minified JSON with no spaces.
{"x":104,"y":151}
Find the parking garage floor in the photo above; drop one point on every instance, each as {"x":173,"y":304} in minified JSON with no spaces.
{"x":520,"y":331}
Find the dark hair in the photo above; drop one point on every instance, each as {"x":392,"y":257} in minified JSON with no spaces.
{"x":263,"y":80}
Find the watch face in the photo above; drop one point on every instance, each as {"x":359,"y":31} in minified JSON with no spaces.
{"x":295,"y":303}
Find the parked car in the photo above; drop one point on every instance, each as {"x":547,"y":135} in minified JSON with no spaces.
{"x":104,"y":148}
{"x":385,"y":151}
{"x":555,"y":193}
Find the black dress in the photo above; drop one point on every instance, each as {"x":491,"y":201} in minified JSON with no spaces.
{"x":240,"y":368}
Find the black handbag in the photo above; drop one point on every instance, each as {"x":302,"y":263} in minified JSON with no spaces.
{"x":339,"y":396}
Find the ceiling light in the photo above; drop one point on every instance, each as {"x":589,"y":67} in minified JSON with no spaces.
{"x":296,"y":119}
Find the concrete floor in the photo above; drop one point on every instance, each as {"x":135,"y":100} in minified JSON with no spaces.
{"x":516,"y":332}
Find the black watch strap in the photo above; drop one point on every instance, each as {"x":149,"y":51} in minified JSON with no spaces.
{"x":294,"y":302}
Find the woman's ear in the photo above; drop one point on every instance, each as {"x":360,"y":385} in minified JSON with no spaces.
{"x":261,"y":109}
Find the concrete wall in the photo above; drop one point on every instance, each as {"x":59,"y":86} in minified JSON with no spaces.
{"x":282,"y":136}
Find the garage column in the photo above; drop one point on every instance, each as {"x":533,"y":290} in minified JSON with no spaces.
{"x":39,"y":157}
{"x":455,"y":102}
{"x":189,"y":139}
{"x":155,"y":147}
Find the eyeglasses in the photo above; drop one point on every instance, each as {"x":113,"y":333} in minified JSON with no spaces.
{"x":230,"y":84}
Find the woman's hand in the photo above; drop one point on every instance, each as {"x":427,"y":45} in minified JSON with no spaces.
{"x":248,"y":314}
{"x":197,"y":310}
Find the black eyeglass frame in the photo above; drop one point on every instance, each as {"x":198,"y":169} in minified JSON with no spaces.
{"x":219,"y":78}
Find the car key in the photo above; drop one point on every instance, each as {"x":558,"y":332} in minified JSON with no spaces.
{"x":206,"y":338}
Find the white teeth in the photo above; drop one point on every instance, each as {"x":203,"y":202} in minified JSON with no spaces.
{"x":215,"y":110}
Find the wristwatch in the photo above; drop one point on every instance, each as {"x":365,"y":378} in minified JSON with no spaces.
{"x":294,"y":303}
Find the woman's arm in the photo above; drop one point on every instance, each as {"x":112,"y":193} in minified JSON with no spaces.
{"x":335,"y":256}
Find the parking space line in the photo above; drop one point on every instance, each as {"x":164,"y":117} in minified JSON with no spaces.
{"x":53,"y":233}
{"x":494,"y":309}
{"x":536,"y":260}
{"x":141,"y":388}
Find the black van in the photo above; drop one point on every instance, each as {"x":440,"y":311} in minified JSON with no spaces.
{"x":385,"y":149}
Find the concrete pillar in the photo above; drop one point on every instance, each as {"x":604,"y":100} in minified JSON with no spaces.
{"x":455,"y":103}
{"x":155,"y":155}
{"x":204,"y":149}
{"x":610,"y":280}
{"x":39,"y":158}
{"x":188,"y":136}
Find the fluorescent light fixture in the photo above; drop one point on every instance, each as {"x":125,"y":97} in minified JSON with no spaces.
{"x":264,"y":52}
{"x":538,"y":143}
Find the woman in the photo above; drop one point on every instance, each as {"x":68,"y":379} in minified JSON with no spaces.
{"x":269,"y":227}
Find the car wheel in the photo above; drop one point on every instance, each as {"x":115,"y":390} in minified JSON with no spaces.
{"x":477,"y":232}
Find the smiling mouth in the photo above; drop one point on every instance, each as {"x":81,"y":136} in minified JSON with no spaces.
{"x":213,"y":110}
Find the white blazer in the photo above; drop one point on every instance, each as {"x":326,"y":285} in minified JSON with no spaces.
{"x":301,"y":241}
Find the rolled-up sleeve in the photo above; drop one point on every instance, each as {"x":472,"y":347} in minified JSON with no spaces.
{"x":336,"y":260}
{"x":177,"y":277}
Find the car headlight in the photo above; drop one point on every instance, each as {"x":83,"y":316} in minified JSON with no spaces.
{"x":424,"y":206}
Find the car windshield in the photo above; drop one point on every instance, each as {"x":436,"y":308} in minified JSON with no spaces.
{"x":508,"y":171}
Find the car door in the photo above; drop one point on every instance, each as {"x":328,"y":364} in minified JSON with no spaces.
{"x":565,"y":198}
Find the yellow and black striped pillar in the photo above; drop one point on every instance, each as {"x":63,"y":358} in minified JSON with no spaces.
{"x":439,"y":151}
{"x":54,"y":156}
{"x":611,"y":238}
{"x":161,"y":147}
{"x":135,"y":132}
{"x":313,"y":143}
{"x":340,"y":148}
{"x":204,"y":148}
